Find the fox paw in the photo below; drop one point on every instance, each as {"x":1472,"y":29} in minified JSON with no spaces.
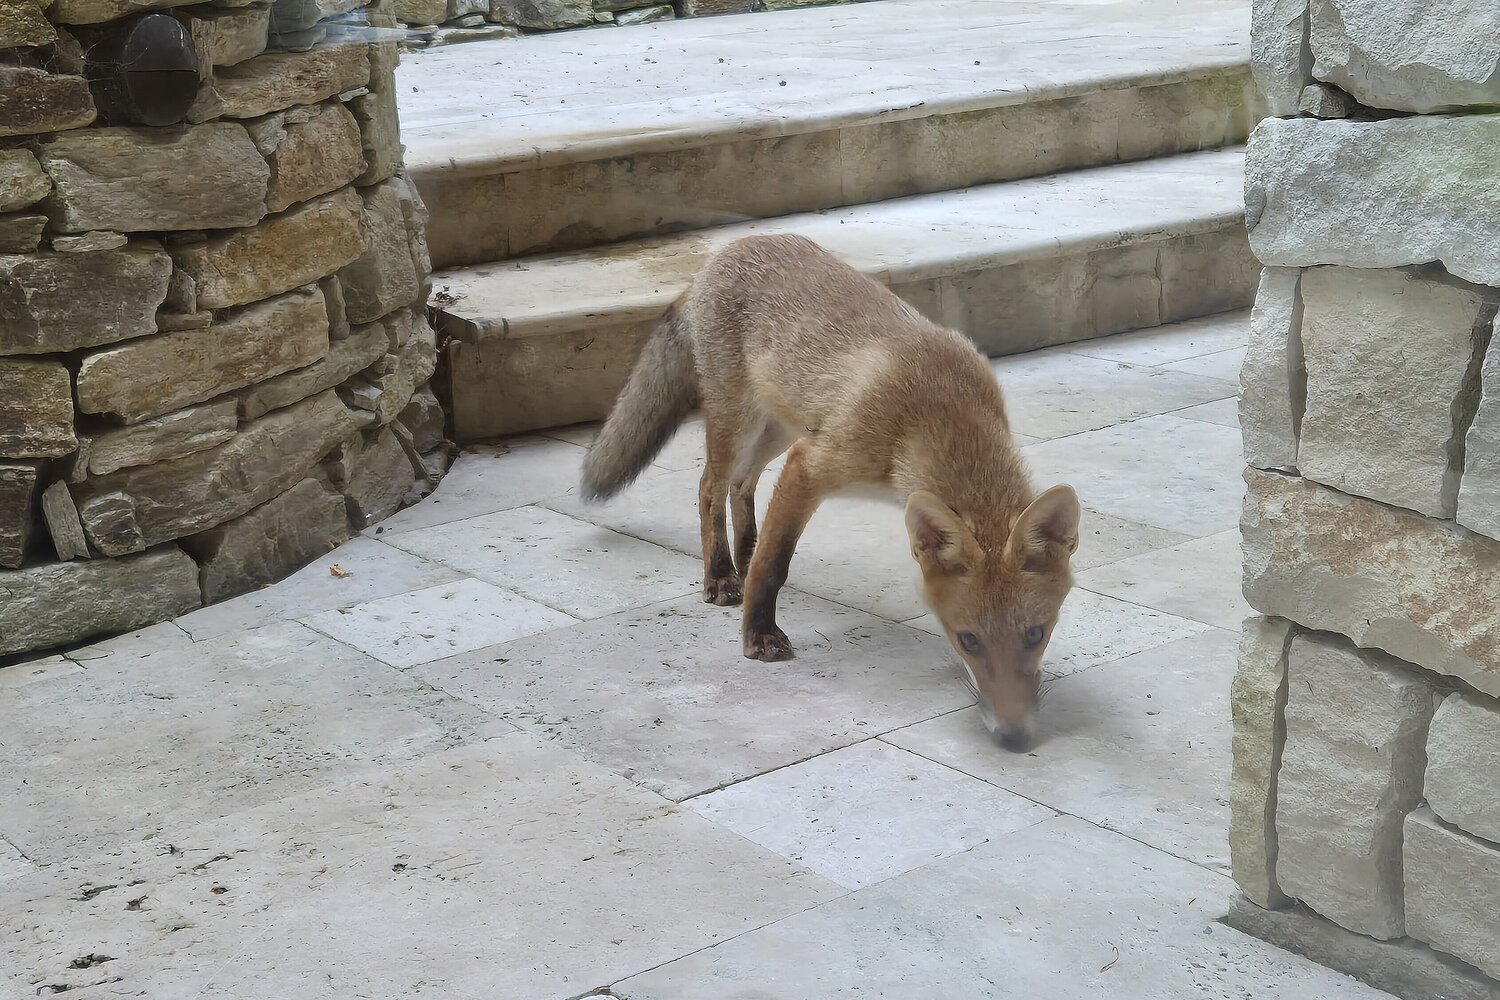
{"x":723,"y":591}
{"x":768,"y":646}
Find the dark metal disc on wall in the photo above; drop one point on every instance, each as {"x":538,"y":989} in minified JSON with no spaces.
{"x":144,"y":71}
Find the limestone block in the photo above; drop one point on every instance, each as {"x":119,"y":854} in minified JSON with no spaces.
{"x":21,"y":233}
{"x":422,"y":11}
{"x":23,"y":23}
{"x":229,"y":36}
{"x":156,"y":179}
{"x":385,"y":278}
{"x":544,"y":13}
{"x":700,"y":8}
{"x":464,"y":8}
{"x":281,"y":535}
{"x":1479,"y":490}
{"x":22,"y":182}
{"x":155,"y":375}
{"x":54,"y":302}
{"x":346,"y":358}
{"x":1257,"y":698}
{"x":338,"y":317}
{"x":663,"y":12}
{"x":172,"y":435}
{"x":1409,"y":55}
{"x":36,"y":409}
{"x":1272,"y":379}
{"x":54,"y":604}
{"x":1463,"y":769}
{"x":1434,"y":180}
{"x":1452,"y":883}
{"x":414,"y":212}
{"x":1385,"y":577}
{"x":17,"y":511}
{"x":1279,"y":56}
{"x":188,"y":495}
{"x":1322,"y":101}
{"x":89,"y":242}
{"x":302,"y":245}
{"x":95,"y":11}
{"x":111,"y":523}
{"x":1351,"y":769}
{"x":34,"y":101}
{"x":63,"y":523}
{"x":380,"y":134}
{"x":278,"y":80}
{"x":317,"y":156}
{"x":298,"y":15}
{"x":1387,"y":357}
{"x":381,"y":477}
{"x":425,"y":419}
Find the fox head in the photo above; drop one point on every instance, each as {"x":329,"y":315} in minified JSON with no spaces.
{"x":998,"y":606}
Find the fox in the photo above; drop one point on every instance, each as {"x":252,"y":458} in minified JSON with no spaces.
{"x":785,"y":348}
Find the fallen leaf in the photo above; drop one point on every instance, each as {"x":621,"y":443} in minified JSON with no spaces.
{"x":337,"y":571}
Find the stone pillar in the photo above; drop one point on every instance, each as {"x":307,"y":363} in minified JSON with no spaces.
{"x":213,"y":343}
{"x":1371,"y":411}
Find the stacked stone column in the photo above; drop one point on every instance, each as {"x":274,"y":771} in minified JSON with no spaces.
{"x":1366,"y":789}
{"x":213,"y":344}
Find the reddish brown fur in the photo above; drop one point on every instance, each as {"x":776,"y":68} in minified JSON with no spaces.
{"x":791,"y":347}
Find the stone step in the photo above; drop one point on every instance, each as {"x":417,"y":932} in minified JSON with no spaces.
{"x":549,"y":340}
{"x":562,"y":142}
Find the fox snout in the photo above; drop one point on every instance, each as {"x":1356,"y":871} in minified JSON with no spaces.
{"x":1016,"y":730}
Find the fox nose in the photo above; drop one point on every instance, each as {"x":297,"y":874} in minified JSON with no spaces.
{"x":1014,"y":740}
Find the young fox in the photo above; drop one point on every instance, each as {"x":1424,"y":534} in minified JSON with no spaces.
{"x":783,"y":345}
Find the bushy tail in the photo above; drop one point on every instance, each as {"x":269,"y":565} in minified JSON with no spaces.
{"x":661,"y":392}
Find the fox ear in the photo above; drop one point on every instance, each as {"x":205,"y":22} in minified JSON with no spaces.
{"x":1046,"y":533}
{"x":940,"y":541}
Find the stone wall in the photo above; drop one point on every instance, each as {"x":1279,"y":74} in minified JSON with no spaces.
{"x":1366,"y":786}
{"x":213,"y":343}
{"x":438,"y":22}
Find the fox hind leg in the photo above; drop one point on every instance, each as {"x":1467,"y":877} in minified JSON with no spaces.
{"x":772,"y":441}
{"x":721,"y":582}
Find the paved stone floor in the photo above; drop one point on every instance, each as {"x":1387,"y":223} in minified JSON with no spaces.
{"x":499,"y":748}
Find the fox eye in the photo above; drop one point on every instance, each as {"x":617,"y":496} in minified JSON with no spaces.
{"x":969,"y":641}
{"x":1034,"y":636}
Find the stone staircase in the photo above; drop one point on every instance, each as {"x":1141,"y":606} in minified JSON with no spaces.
{"x":1032,"y":173}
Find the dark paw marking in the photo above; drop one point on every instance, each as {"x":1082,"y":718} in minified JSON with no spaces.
{"x":723,"y":591}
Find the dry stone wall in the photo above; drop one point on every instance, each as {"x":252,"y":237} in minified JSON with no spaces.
{"x":1367,"y":702}
{"x":439,"y":22}
{"x":214,"y":349}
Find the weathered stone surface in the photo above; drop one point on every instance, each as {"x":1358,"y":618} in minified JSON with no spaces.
{"x":285,"y":251}
{"x":55,"y":604}
{"x":278,"y":80}
{"x":1279,"y":59}
{"x":1452,"y":883}
{"x":425,"y":419}
{"x":1351,"y":769}
{"x":1404,"y":968}
{"x":1434,"y":180}
{"x":1257,"y":698}
{"x":53,"y":302}
{"x":89,"y":242}
{"x":1322,"y":101}
{"x":297,"y":15}
{"x":381,"y":476}
{"x":270,"y":541}
{"x":1273,"y":380}
{"x":155,"y":179}
{"x":1382,"y":576}
{"x":172,"y":435}
{"x":1410,"y":55}
{"x":229,"y":36}
{"x":421,"y":11}
{"x":34,"y":101}
{"x":23,"y":23}
{"x":189,"y":495}
{"x":1479,"y":490}
{"x":17,"y":511}
{"x":387,"y":388}
{"x":111,"y":523}
{"x":152,"y":376}
{"x":700,"y":8}
{"x":414,"y":212}
{"x":661,"y":12}
{"x":385,"y":278}
{"x":21,"y":233}
{"x":1387,"y":357}
{"x":380,"y":134}
{"x":22,"y":181}
{"x":338,"y":317}
{"x":544,"y":13}
{"x":63,"y":523}
{"x":1463,"y":764}
{"x":95,"y":11}
{"x":346,"y":358}
{"x":36,"y":409}
{"x":316,"y":156}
